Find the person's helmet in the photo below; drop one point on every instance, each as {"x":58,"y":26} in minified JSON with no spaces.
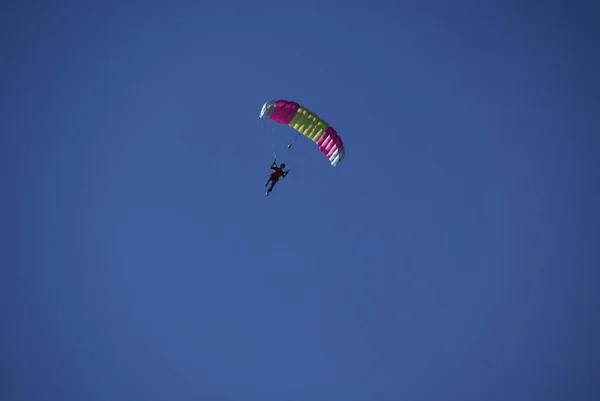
{"x":282,"y":165}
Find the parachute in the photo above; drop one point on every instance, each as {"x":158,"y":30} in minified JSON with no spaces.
{"x":308,"y":124}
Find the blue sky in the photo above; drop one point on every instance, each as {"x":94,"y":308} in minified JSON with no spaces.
{"x":451,"y":256}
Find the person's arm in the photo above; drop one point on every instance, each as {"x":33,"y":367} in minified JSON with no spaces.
{"x":285,"y":173}
{"x":274,"y":164}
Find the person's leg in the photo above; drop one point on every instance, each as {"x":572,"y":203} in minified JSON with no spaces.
{"x":273,"y":182}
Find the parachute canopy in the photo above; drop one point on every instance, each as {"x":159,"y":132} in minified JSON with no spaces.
{"x":308,"y":124}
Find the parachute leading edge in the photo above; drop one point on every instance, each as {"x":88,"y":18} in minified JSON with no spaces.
{"x":308,"y":124}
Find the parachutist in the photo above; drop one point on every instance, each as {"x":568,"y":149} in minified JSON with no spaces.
{"x":275,"y":175}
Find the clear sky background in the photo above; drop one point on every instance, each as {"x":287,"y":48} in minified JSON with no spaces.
{"x":452,"y":255}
